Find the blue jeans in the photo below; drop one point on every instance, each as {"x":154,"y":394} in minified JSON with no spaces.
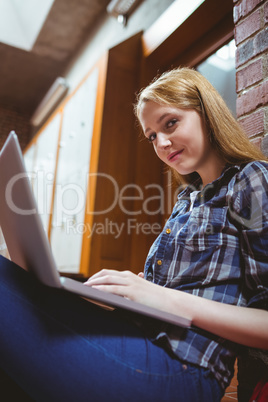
{"x":59,"y":347}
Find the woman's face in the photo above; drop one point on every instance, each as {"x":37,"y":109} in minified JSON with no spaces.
{"x":179,"y":138}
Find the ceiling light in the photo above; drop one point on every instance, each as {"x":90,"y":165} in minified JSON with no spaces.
{"x":55,"y":94}
{"x":121,"y":9}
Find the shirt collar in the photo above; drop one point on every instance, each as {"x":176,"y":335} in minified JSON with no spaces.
{"x":197,"y":183}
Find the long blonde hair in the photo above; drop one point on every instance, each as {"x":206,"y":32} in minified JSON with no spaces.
{"x":186,"y":88}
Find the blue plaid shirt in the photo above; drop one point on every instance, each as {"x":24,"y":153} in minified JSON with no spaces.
{"x":215,"y":245}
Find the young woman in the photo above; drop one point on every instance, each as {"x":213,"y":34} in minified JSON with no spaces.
{"x":210,"y":261}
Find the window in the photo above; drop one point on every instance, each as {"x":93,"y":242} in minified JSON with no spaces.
{"x":22,"y":20}
{"x":219,"y":69}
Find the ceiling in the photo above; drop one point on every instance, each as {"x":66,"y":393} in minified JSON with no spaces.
{"x":25,"y":77}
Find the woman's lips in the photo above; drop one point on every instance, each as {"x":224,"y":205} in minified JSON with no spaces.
{"x":171,"y":157}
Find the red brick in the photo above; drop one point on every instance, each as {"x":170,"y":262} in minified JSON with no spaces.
{"x":254,"y":123}
{"x":247,"y":27}
{"x":249,"y":75}
{"x":252,"y":99}
{"x":245,"y":52}
{"x":261,"y":42}
{"x":252,"y":47}
{"x":244,"y":8}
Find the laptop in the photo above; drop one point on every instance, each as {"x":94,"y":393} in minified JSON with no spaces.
{"x":29,"y":247}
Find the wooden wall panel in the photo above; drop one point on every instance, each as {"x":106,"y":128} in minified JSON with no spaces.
{"x":123,"y":166}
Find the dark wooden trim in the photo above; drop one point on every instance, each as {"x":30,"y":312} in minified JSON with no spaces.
{"x":208,"y":28}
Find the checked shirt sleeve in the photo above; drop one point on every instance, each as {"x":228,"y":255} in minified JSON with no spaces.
{"x":249,"y":212}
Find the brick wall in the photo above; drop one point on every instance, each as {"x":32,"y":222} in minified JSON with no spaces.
{"x":251,"y":37}
{"x":11,"y":120}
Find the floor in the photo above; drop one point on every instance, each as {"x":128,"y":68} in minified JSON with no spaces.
{"x":231,"y":391}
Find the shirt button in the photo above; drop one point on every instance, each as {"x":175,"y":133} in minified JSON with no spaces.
{"x":168,"y":231}
{"x":159,"y":262}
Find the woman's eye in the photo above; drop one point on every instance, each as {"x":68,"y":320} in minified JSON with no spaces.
{"x":151,"y":137}
{"x":171,"y":123}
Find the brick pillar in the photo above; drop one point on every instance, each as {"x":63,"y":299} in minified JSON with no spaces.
{"x":251,"y":37}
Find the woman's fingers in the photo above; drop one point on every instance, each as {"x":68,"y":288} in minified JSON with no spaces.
{"x":110,"y":277}
{"x":101,"y":273}
{"x":123,"y":283}
{"x":118,"y":290}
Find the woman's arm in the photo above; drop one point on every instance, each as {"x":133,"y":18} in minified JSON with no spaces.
{"x":244,"y":325}
{"x":247,"y":326}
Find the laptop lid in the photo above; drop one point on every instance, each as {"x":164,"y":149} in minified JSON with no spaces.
{"x":24,"y":234}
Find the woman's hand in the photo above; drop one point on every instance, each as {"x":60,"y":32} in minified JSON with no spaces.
{"x":128,"y":285}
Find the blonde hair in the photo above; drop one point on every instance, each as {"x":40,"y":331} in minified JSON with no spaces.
{"x":186,"y":88}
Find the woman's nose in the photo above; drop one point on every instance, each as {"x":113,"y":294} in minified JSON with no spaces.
{"x":163,"y":141}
